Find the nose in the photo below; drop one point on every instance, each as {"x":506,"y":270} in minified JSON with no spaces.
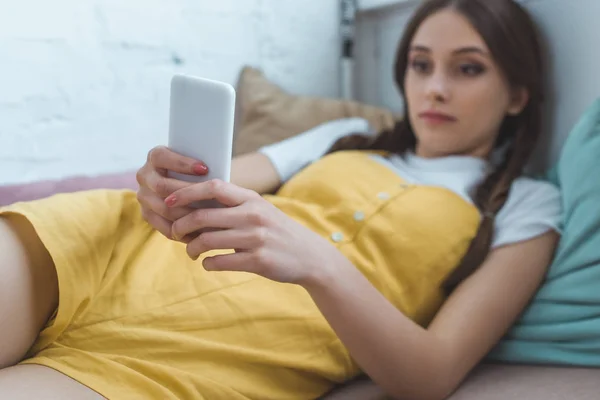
{"x":437,"y":88}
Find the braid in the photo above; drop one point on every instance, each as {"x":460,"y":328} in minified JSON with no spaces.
{"x":491,"y":195}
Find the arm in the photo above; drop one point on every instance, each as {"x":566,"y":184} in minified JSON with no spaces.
{"x":256,"y":172}
{"x":410,"y":362}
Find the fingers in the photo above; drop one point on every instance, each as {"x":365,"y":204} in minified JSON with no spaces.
{"x":154,"y":186}
{"x":159,"y":184}
{"x":157,"y":222}
{"x":225,"y":193}
{"x":238,"y":239}
{"x":151,"y":201}
{"x":164,"y":158}
{"x":160,"y":160}
{"x":202,"y":219}
{"x":239,"y":261}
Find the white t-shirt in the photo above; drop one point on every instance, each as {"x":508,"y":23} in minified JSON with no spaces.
{"x":532,"y":208}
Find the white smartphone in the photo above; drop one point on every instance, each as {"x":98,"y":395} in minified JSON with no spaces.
{"x":201,"y":121}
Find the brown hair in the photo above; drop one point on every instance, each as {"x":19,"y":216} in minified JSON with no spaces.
{"x":511,"y":37}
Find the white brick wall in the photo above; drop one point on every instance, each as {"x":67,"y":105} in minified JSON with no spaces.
{"x":84,"y":83}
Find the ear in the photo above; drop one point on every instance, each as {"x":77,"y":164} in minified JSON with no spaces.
{"x":518,"y":101}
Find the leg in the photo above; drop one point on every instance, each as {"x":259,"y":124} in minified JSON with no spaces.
{"x":36,"y":382}
{"x":28,"y":288}
{"x":28,"y":297}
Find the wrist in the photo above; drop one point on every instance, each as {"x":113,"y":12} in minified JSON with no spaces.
{"x":326,"y":272}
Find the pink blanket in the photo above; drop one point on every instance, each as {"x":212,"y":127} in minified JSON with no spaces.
{"x":37,"y":190}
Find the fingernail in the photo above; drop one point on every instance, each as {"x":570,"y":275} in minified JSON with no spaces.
{"x":200,"y":168}
{"x":171,"y":200}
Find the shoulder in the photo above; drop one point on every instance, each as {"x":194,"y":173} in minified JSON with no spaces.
{"x":321,"y":135}
{"x":294,"y":153}
{"x":533,"y":207}
{"x":527,"y":191}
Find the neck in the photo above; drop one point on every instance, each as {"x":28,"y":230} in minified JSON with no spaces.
{"x":482,"y":152}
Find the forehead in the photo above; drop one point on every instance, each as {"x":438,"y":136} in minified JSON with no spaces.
{"x":447,"y":30}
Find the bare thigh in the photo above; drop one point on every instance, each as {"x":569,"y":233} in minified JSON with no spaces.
{"x":28,"y":288}
{"x":28,"y":298}
{"x":37,"y":382}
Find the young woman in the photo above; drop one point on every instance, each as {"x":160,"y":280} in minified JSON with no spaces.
{"x":405,"y":255}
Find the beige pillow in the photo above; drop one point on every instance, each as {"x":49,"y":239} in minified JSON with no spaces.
{"x":266,"y":114}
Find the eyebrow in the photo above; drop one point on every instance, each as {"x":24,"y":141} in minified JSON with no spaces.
{"x":462,"y":50}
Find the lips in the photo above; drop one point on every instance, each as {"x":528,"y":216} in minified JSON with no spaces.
{"x":435,"y":116}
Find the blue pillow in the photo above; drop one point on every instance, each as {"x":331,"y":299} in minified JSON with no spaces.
{"x":562,"y":323}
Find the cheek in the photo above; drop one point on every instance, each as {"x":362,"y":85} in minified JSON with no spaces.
{"x":482,"y":105}
{"x":413,"y":93}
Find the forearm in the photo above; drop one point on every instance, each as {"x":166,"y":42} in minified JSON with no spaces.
{"x":399,"y":355}
{"x":254,"y":171}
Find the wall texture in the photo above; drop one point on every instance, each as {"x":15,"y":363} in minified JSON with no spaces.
{"x":84,"y":83}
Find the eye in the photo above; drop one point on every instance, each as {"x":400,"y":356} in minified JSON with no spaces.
{"x":420,"y":66}
{"x":471,"y":69}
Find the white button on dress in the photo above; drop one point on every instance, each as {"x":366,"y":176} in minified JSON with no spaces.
{"x":383,"y":196}
{"x":337,"y":237}
{"x":359,"y":216}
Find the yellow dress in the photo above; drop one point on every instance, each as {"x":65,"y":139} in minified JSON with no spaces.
{"x":138,"y":319}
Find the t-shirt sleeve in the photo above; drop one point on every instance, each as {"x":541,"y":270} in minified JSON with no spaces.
{"x":532,"y":209}
{"x":291,"y":155}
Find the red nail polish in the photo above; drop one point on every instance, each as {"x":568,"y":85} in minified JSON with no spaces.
{"x":171,"y":200}
{"x":200,"y":169}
